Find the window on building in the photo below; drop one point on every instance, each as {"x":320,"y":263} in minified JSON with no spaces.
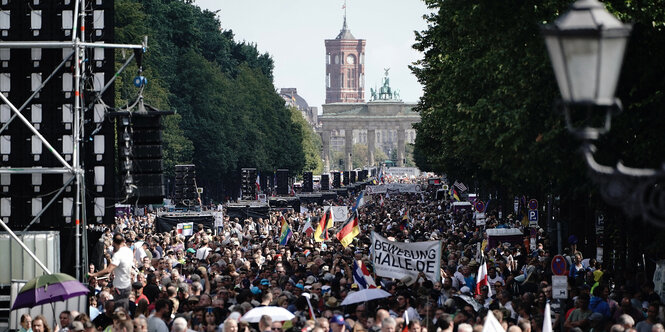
{"x":341,"y":80}
{"x":350,"y":78}
{"x":327,"y":80}
{"x":328,"y":58}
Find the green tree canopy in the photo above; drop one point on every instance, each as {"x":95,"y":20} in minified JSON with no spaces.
{"x":228,"y":113}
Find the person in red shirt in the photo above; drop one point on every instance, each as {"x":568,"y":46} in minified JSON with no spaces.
{"x":138,"y":292}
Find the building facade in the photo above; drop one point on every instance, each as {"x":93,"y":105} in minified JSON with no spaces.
{"x":293,"y":99}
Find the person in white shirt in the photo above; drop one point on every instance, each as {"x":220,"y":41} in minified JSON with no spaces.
{"x":493,"y":278}
{"x":121,"y":266}
{"x":202,"y":253}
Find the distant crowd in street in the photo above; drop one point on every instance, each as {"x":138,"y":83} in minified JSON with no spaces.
{"x":160,"y":282}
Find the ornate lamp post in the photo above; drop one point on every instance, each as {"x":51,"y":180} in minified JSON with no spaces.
{"x":586,"y":47}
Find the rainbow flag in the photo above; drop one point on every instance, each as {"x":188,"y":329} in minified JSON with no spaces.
{"x":286,"y":232}
{"x":455,"y":195}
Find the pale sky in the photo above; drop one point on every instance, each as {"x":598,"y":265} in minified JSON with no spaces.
{"x":293,"y":33}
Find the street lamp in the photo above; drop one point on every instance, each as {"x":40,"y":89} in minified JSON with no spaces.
{"x":586,"y":46}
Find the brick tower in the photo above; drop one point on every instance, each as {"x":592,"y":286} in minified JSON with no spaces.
{"x":345,"y":68}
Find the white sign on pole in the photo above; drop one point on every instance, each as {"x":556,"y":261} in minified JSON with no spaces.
{"x":559,"y":287}
{"x":340,"y":213}
{"x":397,"y":259}
{"x":185,"y":228}
{"x":480,"y":218}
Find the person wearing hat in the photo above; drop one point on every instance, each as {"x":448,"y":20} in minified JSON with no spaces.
{"x":137,"y":287}
{"x":331,"y":303}
{"x":337,"y":323}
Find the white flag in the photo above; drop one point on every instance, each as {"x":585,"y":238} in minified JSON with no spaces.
{"x":492,"y":324}
{"x":547,"y":319}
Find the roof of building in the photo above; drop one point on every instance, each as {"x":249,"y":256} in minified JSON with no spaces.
{"x":291,"y":96}
{"x":345,"y":33}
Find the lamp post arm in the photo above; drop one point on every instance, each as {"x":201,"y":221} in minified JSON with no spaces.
{"x":639,"y":192}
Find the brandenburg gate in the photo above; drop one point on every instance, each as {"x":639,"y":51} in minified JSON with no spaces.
{"x":383,"y":113}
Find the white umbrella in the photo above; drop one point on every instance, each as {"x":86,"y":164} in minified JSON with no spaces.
{"x":365,"y":295}
{"x":278,"y":314}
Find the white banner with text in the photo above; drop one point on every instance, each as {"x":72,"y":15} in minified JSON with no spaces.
{"x":393,"y":259}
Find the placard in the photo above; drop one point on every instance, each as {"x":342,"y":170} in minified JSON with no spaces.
{"x":397,"y":259}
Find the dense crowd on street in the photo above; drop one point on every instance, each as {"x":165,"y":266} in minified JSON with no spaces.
{"x":206,"y":282}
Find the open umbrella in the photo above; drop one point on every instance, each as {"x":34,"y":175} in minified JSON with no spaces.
{"x":365,"y":295}
{"x":48,"y":288}
{"x":466,"y":299}
{"x":278,"y":314}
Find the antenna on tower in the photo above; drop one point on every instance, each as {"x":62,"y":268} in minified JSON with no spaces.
{"x":344,"y":7}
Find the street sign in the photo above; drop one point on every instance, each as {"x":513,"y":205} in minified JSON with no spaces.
{"x":559,"y":266}
{"x":559,"y":287}
{"x":480,"y":206}
{"x":533,"y":217}
{"x":533,"y":204}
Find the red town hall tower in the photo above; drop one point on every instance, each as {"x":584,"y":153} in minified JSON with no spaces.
{"x":345,"y":68}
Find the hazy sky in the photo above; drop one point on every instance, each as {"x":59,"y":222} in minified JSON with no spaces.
{"x":293,"y":33}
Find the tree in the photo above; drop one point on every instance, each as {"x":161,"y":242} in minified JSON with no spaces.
{"x":228,"y":113}
{"x":488,"y":88}
{"x":311,"y":143}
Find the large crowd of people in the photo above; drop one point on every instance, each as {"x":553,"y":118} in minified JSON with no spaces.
{"x":206,"y":282}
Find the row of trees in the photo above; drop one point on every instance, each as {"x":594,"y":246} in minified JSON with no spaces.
{"x":489,"y":88}
{"x":228,"y":114}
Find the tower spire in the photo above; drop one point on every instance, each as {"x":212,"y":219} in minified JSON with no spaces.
{"x":344,"y":27}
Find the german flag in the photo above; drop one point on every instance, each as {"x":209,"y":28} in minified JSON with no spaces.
{"x":321,"y":232}
{"x":349,"y":230}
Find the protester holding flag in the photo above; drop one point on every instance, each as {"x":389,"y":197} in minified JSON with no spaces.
{"x":326,"y":222}
{"x":285,"y":233}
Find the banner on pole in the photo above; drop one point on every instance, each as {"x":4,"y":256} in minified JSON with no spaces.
{"x":393,"y":188}
{"x":185,"y":228}
{"x":397,"y":259}
{"x":340,"y":213}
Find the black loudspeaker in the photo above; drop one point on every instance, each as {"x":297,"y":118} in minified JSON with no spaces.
{"x":282,"y":182}
{"x":353,"y":176}
{"x":185,"y":185}
{"x":347,"y":177}
{"x":362,"y":175}
{"x":337,"y":179}
{"x":248,"y":183}
{"x":307,"y":182}
{"x":141,"y":165}
{"x":325,"y":182}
